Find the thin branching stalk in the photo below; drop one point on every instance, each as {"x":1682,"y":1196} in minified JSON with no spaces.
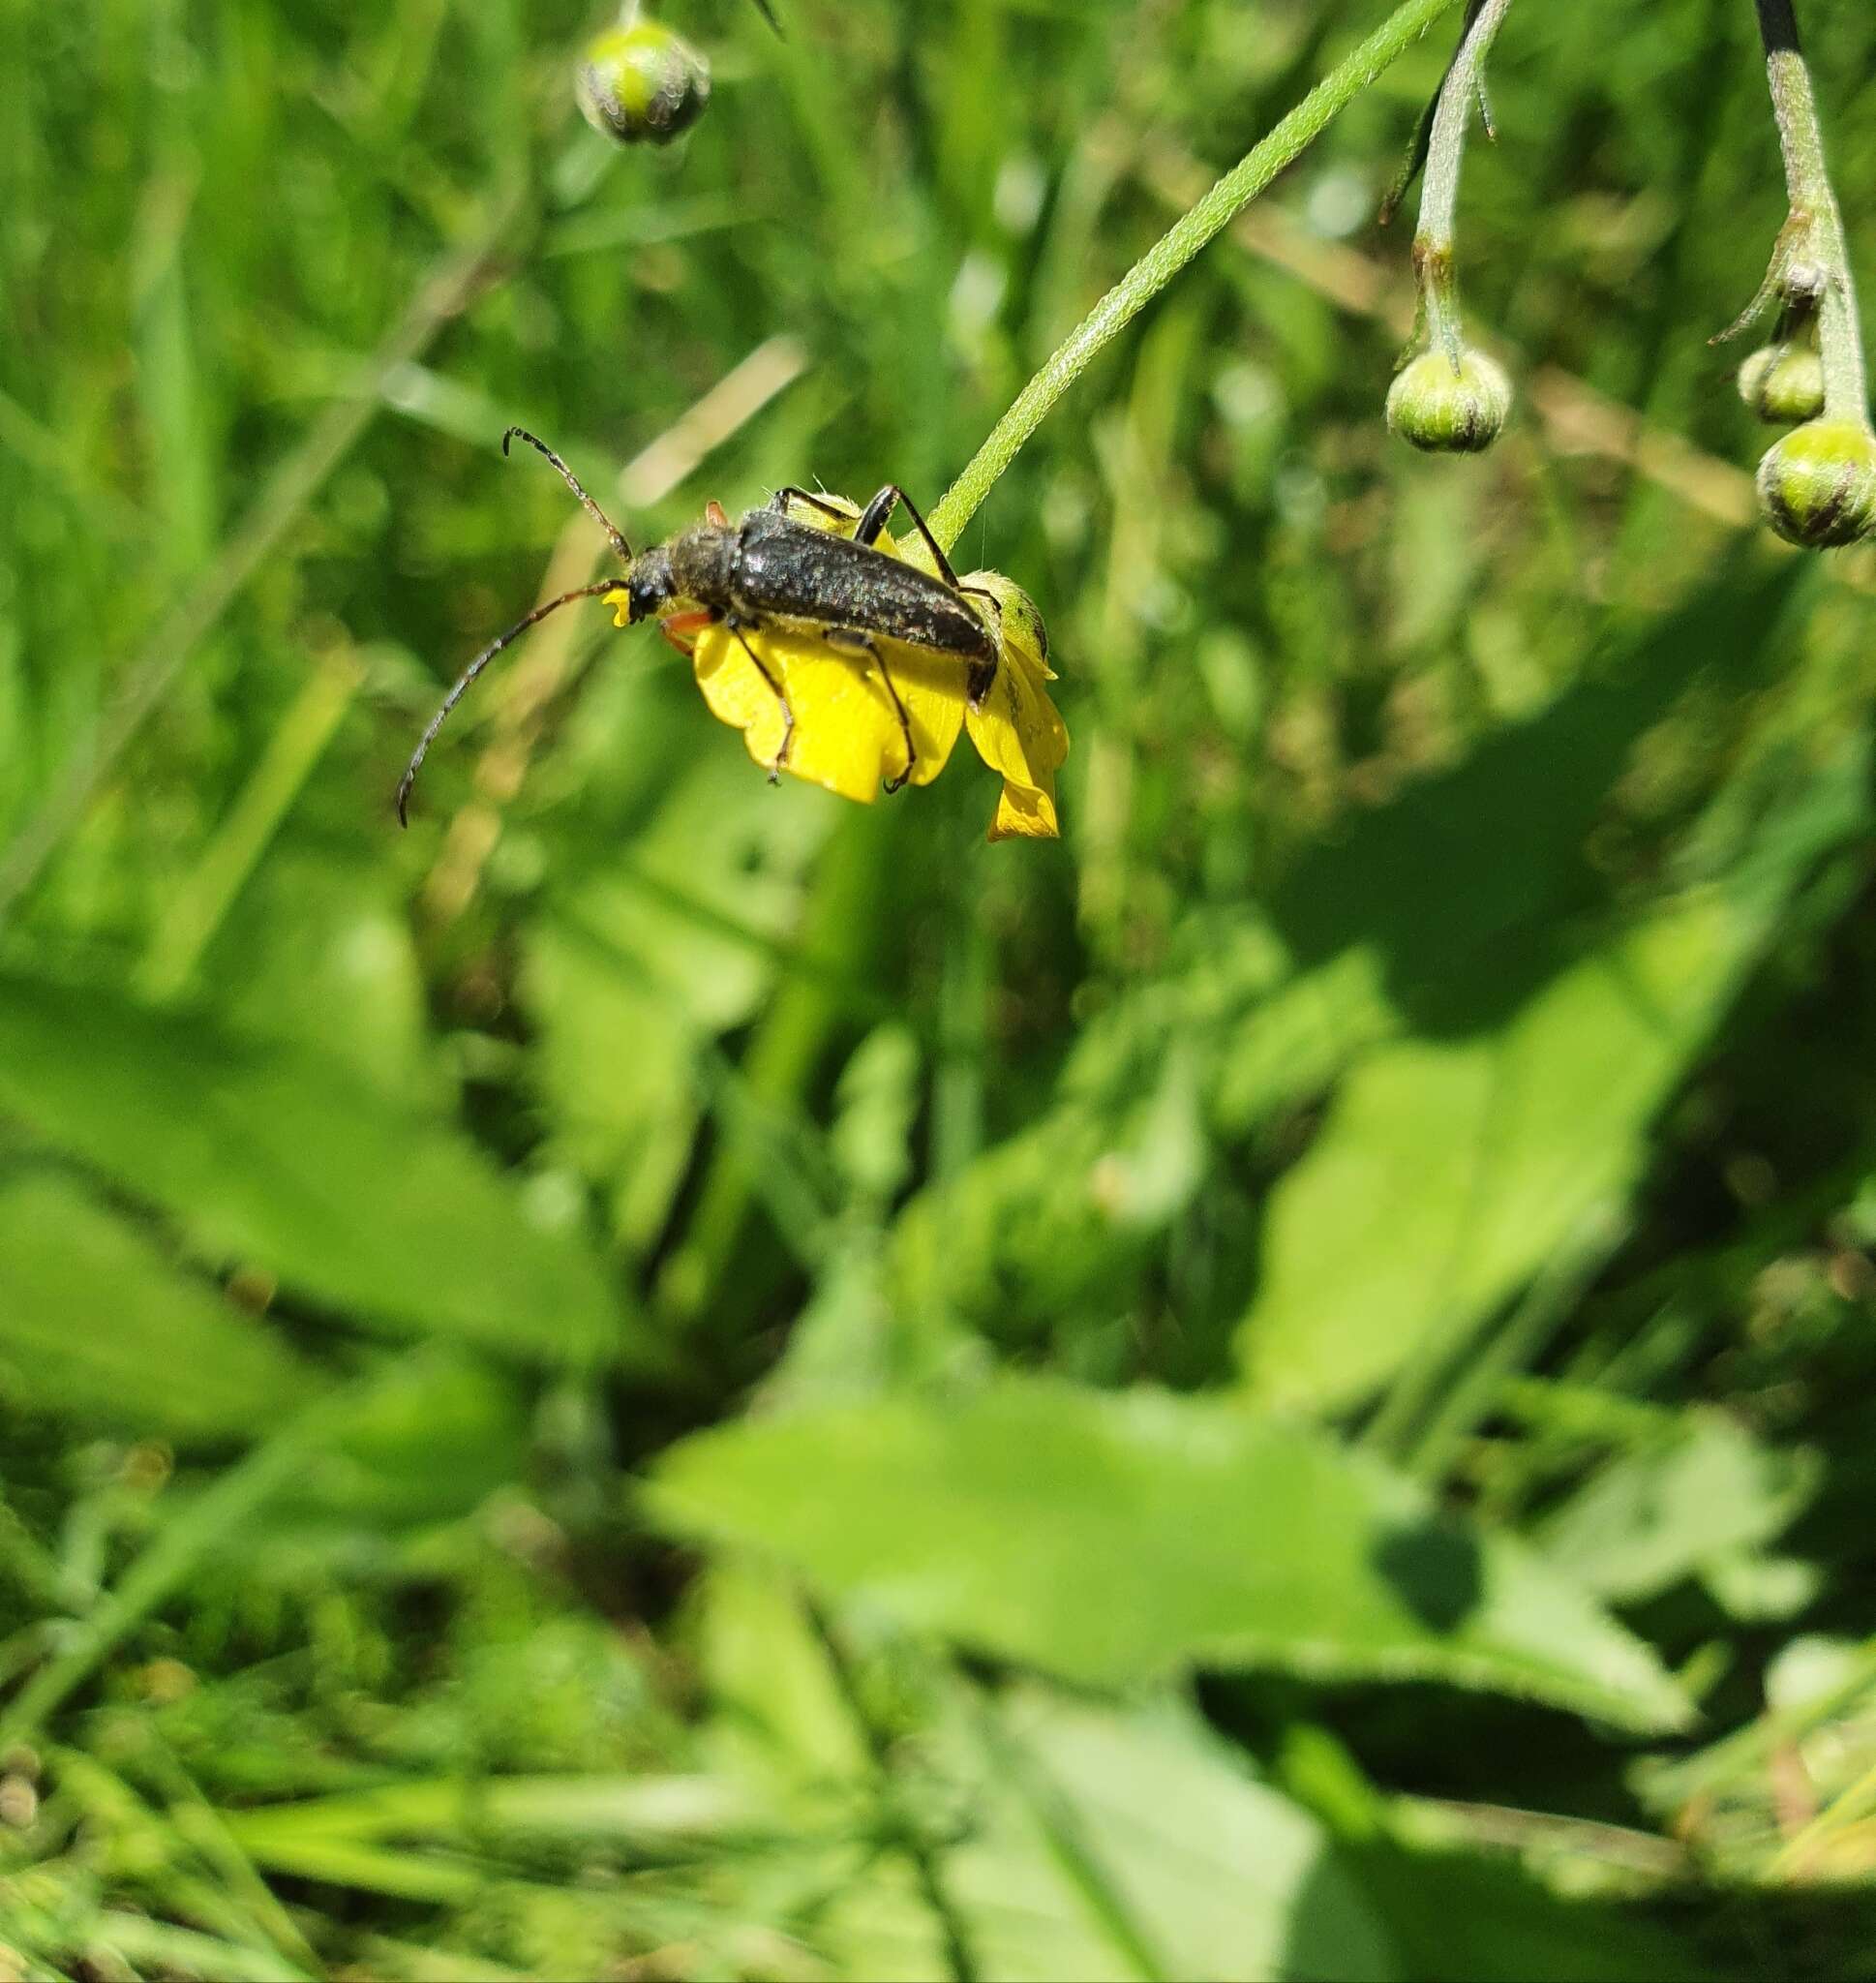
{"x":1173,"y":251}
{"x":1462,"y":92}
{"x":1818,"y":256}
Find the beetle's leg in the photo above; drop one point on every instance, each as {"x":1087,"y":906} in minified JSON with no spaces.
{"x":675,"y":625}
{"x":793,"y":492}
{"x":864,"y":643}
{"x":788,"y":714}
{"x":872,"y":521}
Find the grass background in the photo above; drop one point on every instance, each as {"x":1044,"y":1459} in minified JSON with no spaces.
{"x":669,"y":1379}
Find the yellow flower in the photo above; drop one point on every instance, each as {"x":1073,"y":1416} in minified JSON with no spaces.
{"x":1018,"y":730}
{"x":847,"y":733}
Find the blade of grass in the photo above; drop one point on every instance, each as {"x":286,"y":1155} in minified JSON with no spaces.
{"x":170,"y":1862}
{"x":183,"y":1952}
{"x":669,"y":1810}
{"x":389,"y":1870}
{"x":1797,"y":1856}
{"x":202,"y":1827}
{"x":165,"y":1565}
{"x":444,"y":295}
{"x":1514,"y":1344}
{"x":206,"y":894}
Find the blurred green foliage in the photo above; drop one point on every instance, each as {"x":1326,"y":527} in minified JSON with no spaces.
{"x":664,"y":1378}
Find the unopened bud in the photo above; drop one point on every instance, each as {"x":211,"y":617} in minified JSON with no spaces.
{"x":1817,"y":486}
{"x":1783,"y":383}
{"x":642,"y":83}
{"x":1449,"y":411}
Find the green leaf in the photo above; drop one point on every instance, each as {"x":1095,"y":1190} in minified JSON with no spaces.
{"x":1450,"y":1170}
{"x":269,"y":1157}
{"x":426,"y":1444}
{"x":1433,"y":884}
{"x":318,"y":951}
{"x":1649,"y":1520}
{"x":1431,"y":913}
{"x":1064,"y":1837}
{"x":1146,"y":1834}
{"x":1466,"y":1919}
{"x":1111,"y":1537}
{"x":95,"y":1320}
{"x":676,"y":952}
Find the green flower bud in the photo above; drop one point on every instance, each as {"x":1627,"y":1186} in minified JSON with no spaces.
{"x":642,"y":82}
{"x":1783,"y":383}
{"x":1817,"y":486}
{"x":1449,"y":411}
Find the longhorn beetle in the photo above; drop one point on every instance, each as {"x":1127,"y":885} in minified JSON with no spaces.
{"x":771,"y":570}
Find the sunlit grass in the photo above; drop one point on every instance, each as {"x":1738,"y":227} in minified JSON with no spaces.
{"x":1441,"y":1041}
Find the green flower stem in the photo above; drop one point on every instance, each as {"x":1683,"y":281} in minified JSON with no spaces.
{"x":1173,"y":251}
{"x":1815,"y":230}
{"x":1433,"y":237}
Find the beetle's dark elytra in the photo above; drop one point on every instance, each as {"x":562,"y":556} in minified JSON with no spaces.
{"x":769,"y":569}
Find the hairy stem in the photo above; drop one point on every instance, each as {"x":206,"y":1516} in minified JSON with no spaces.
{"x":1816,"y":222}
{"x":1168,"y":255}
{"x":1433,"y":239}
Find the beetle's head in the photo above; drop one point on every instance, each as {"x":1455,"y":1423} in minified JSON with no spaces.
{"x":646,"y":591}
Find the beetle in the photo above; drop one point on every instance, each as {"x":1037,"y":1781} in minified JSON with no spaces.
{"x":769,"y":569}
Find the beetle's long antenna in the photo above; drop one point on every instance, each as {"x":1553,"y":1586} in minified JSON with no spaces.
{"x":475,"y":668}
{"x":614,"y":535}
{"x":768,"y":14}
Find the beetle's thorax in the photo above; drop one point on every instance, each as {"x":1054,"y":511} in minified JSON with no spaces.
{"x":700,"y":564}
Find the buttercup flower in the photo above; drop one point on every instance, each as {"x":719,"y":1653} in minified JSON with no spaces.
{"x":847,"y":733}
{"x":1018,"y":730}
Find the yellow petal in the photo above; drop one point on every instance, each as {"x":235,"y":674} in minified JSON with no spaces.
{"x":1020,"y":732}
{"x":847,"y":734}
{"x":620,"y":601}
{"x":1024,"y":812}
{"x":932,"y":687}
{"x":737,"y":694}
